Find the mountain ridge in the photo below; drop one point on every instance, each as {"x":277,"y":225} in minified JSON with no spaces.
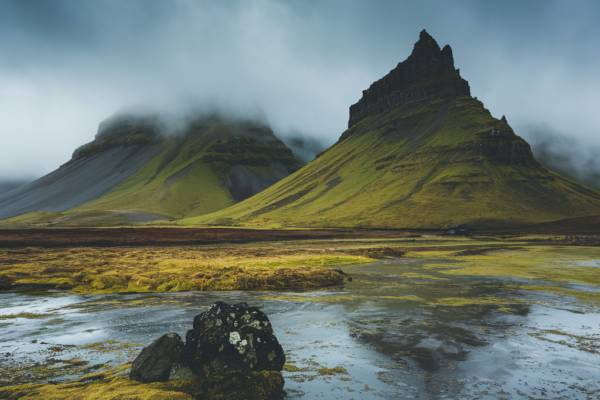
{"x":133,"y":167}
{"x":420,"y":152}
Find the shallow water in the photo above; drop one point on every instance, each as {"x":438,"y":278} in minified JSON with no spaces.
{"x":395,"y":331}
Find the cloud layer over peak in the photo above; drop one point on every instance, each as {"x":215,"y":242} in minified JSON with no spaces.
{"x":65,"y":65}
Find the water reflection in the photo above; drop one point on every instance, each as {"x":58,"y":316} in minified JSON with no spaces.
{"x":398,"y":329}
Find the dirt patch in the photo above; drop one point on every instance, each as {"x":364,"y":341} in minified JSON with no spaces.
{"x":98,"y":237}
{"x":485,"y":250}
{"x":379,"y":252}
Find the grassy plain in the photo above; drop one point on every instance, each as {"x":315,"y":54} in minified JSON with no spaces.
{"x":88,"y":270}
{"x":449,"y":274}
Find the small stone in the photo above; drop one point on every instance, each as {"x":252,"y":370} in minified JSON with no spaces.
{"x":154,"y":363}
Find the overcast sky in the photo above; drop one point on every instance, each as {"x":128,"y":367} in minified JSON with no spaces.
{"x":66,"y":65}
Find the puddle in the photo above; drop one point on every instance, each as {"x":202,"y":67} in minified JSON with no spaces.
{"x":589,"y":263}
{"x":397,"y":330}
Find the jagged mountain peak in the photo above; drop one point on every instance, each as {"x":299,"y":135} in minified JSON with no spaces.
{"x":427,"y":71}
{"x":419,"y":152}
{"x":427,"y":60}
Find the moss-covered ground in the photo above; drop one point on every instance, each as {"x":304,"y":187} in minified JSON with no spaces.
{"x":171,"y":269}
{"x":505,"y":274}
{"x":116,"y":385}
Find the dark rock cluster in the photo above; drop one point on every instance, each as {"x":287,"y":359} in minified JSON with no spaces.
{"x":229,"y":337}
{"x":427,"y":71}
{"x":225,"y":338}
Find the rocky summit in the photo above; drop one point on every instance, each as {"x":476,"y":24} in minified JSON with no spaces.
{"x":427,"y":71}
{"x":419,"y":152}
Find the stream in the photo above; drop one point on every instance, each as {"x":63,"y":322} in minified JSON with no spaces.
{"x":392,"y":332}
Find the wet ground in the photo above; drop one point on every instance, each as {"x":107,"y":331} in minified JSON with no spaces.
{"x":391,"y":332}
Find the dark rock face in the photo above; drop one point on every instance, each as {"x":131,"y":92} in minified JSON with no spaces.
{"x":243,"y":183}
{"x":154,"y":363}
{"x":502,"y":146}
{"x":232,"y":337}
{"x":427,"y":71}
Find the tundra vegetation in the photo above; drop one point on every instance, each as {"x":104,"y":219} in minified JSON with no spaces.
{"x":531,"y":263}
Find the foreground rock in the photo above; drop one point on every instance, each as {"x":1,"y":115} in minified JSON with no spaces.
{"x":232,"y":338}
{"x":154,"y":363}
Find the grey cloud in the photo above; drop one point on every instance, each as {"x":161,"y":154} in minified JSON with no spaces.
{"x":67,"y":65}
{"x":305,"y":148}
{"x":562,"y":153}
{"x":6,"y":185}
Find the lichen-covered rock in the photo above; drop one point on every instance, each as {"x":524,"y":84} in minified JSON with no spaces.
{"x":155,"y":361}
{"x":232,"y":337}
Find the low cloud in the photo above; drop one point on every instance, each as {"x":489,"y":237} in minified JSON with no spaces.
{"x":6,"y":185}
{"x":562,"y":153}
{"x":305,"y":148}
{"x":68,"y":65}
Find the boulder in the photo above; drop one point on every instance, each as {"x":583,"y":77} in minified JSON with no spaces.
{"x":155,"y":361}
{"x":232,"y":338}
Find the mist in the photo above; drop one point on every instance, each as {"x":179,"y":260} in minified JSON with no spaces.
{"x":66,"y":66}
{"x":564,"y":154}
{"x":6,"y":185}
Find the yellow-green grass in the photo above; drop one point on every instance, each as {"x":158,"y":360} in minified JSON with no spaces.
{"x":560,"y":264}
{"x":192,"y":190}
{"x":232,"y":385}
{"x":163,"y":269}
{"x":539,"y":268}
{"x":418,"y":168}
{"x":42,"y":219}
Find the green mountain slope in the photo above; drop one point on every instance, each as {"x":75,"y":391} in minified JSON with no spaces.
{"x":420,"y":152}
{"x":198,"y":172}
{"x":204,"y":167}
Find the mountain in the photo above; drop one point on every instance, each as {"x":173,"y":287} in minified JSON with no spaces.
{"x":134,"y":172}
{"x":6,"y":185}
{"x":419,"y":152}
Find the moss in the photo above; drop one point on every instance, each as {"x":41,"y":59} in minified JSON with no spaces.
{"x":293,"y":368}
{"x":332,"y":371}
{"x":160,"y":269}
{"x":552,"y":264}
{"x":233,"y":385}
{"x":26,"y":315}
{"x":247,"y":151}
{"x":257,"y":385}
